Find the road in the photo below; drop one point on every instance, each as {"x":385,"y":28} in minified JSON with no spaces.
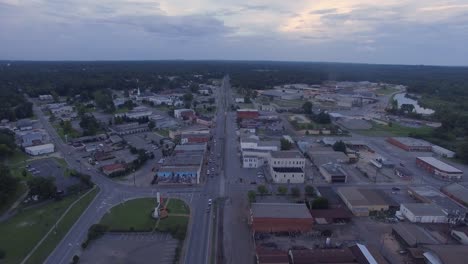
{"x":198,"y":241}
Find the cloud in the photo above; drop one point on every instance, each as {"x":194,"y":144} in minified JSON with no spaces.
{"x":324,"y":11}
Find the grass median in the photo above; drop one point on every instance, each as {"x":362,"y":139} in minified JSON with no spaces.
{"x":21,"y":233}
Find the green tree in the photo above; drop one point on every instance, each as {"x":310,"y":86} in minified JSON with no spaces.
{"x":462,"y":151}
{"x":282,"y":190}
{"x":320,"y":203}
{"x":323,"y":118}
{"x":43,"y":187}
{"x":262,"y":189}
{"x":307,"y":107}
{"x":151,"y":124}
{"x":339,"y":146}
{"x":8,"y":185}
{"x":295,"y":191}
{"x":252,"y":196}
{"x":89,"y":124}
{"x":309,"y":190}
{"x":285,"y":144}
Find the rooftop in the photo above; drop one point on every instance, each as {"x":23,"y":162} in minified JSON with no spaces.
{"x":431,"y":195}
{"x":453,"y":254}
{"x":413,"y":234}
{"x":333,"y":169}
{"x":286,"y":154}
{"x":442,"y":166}
{"x":191,"y":147}
{"x":280,"y":210}
{"x":337,"y":256}
{"x":325,"y":156}
{"x":288,"y":169}
{"x":412,"y":142}
{"x":456,"y":190}
{"x":365,"y":197}
{"x":425,"y":209}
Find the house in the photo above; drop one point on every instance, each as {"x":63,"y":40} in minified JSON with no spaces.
{"x":24,"y":124}
{"x":129,"y":128}
{"x":439,"y":169}
{"x":362,"y":201}
{"x":287,"y":167}
{"x":280,"y":217}
{"x":423,"y":213}
{"x":333,"y":173}
{"x":32,"y":138}
{"x":183,"y":113}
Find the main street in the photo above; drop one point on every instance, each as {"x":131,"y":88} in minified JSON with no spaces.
{"x":198,"y":241}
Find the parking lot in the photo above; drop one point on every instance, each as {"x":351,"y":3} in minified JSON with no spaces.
{"x":131,"y":248}
{"x":50,"y":167}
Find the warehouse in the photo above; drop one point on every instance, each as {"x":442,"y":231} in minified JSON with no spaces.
{"x":410,"y":144}
{"x":423,"y":213}
{"x":40,"y":149}
{"x":412,"y":235}
{"x":439,"y":169}
{"x":333,"y":173}
{"x":362,"y":201}
{"x":443,"y":152}
{"x":455,"y":212}
{"x":280,"y":217}
{"x":457,"y":192}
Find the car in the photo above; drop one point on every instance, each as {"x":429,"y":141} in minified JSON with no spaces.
{"x":253,"y":182}
{"x":210,"y":201}
{"x":260,"y":176}
{"x":395,"y":189}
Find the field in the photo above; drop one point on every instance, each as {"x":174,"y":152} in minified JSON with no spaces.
{"x":379,"y":130}
{"x":135,"y":216}
{"x":21,"y":233}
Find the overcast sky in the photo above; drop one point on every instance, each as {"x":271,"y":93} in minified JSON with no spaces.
{"x":390,"y":31}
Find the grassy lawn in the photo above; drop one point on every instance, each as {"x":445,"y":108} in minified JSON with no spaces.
{"x":289,"y":103}
{"x":163,"y":132}
{"x":23,"y":231}
{"x":18,"y":158}
{"x":394,"y":130}
{"x":22,"y":188}
{"x":134,"y":214}
{"x":63,"y":226}
{"x":176,"y":206}
{"x":61,"y":133}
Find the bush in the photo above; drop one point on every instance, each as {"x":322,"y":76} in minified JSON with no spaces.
{"x":320,"y":203}
{"x":75,"y":259}
{"x":252,"y":195}
{"x":2,"y":254}
{"x":84,"y":245}
{"x":295,"y":192}
{"x":309,"y":191}
{"x":96,"y":231}
{"x":282,"y":190}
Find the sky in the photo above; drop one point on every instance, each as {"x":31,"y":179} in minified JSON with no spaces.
{"x":430,"y":32}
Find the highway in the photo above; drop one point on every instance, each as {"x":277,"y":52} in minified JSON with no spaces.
{"x":198,"y":241}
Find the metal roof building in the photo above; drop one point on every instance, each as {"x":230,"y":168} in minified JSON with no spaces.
{"x":280,"y":217}
{"x":457,"y":192}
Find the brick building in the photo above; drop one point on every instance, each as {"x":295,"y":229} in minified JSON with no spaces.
{"x":280,"y":217}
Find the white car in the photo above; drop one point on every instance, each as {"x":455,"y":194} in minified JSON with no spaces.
{"x":210,"y":201}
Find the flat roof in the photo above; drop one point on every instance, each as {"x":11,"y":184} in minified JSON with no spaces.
{"x":424,"y":209}
{"x":439,"y":165}
{"x":413,"y":234}
{"x":294,"y":154}
{"x":333,"y":169}
{"x":456,"y":190}
{"x":325,"y":156}
{"x":191,"y":147}
{"x":178,"y":168}
{"x":280,"y":210}
{"x":453,"y":254}
{"x":432,"y":195}
{"x":365,"y":197}
{"x":38,"y":147}
{"x":412,"y":142}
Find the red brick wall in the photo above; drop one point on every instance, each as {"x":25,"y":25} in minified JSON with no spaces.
{"x":281,"y":224}
{"x":247,"y":115}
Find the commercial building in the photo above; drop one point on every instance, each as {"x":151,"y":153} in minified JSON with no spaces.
{"x":32,"y":138}
{"x":445,"y":254}
{"x":287,"y":167}
{"x":362,"y":201}
{"x":129,"y":128}
{"x":254,"y":158}
{"x":331,"y":215}
{"x":456,"y":212}
{"x":357,"y":253}
{"x":184,"y":167}
{"x":183,"y":113}
{"x":203,"y":120}
{"x":280,"y":217}
{"x":410,"y":144}
{"x":24,"y":124}
{"x":247,"y":114}
{"x":443,"y":152}
{"x":333,"y":173}
{"x":194,"y":137}
{"x":320,"y":156}
{"x":40,"y":149}
{"x":439,"y":169}
{"x":423,"y":213}
{"x":412,"y":235}
{"x":136,"y":113}
{"x":113,"y":168}
{"x":188,"y":148}
{"x":457,"y":192}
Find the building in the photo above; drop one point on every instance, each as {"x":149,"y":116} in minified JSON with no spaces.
{"x":129,"y":128}
{"x":460,"y":234}
{"x":113,"y":168}
{"x":445,"y":254}
{"x":239,"y":100}
{"x":24,"y":124}
{"x":32,"y":138}
{"x":179,"y":174}
{"x":188,"y":148}
{"x":136,"y":113}
{"x":357,"y":253}
{"x":442,"y":151}
{"x":287,"y":167}
{"x":266,"y":255}
{"x":205,"y":121}
{"x":362,"y":201}
{"x":410,"y":144}
{"x":183,"y":113}
{"x":194,"y":137}
{"x":439,"y":169}
{"x":423,"y":213}
{"x":412,"y":235}
{"x":40,"y":149}
{"x":247,"y":114}
{"x":325,"y":155}
{"x":45,"y":97}
{"x":331,"y":216}
{"x":280,"y":217}
{"x":456,"y":212}
{"x":457,"y":192}
{"x":333,"y":173}
{"x":254,"y":158}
